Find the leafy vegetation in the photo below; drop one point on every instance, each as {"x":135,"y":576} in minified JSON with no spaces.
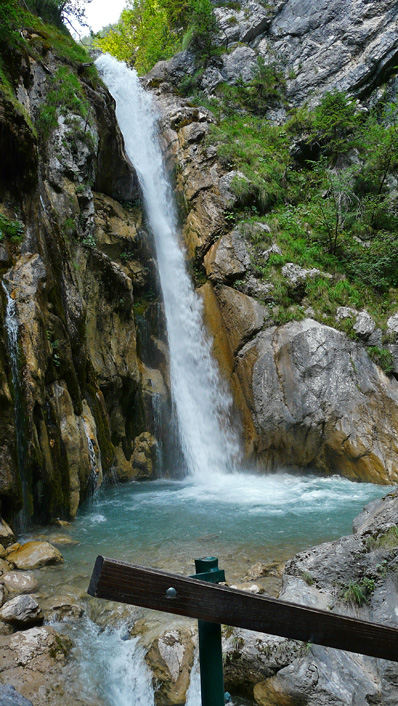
{"x":46,"y":20}
{"x":359,"y":592}
{"x":60,"y":13}
{"x":323,"y":182}
{"x":151,"y":30}
{"x":65,"y":96}
{"x":11,"y":229}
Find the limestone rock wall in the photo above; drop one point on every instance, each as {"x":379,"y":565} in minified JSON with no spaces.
{"x":351,"y":45}
{"x":308,"y":397}
{"x":77,"y":271}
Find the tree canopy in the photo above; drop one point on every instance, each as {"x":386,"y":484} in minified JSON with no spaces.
{"x":151,"y":30}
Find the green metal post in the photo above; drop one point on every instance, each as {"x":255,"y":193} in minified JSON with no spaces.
{"x":210,"y":653}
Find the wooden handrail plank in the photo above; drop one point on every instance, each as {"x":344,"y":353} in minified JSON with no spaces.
{"x":146,"y":587}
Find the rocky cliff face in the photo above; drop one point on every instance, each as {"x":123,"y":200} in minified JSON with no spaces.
{"x":79,"y":278}
{"x":76,"y":263}
{"x":349,"y":45}
{"x":308,"y":396}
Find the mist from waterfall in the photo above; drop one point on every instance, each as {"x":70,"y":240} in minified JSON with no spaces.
{"x":202,"y":403}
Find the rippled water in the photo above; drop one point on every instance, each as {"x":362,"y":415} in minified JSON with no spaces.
{"x":240,"y":518}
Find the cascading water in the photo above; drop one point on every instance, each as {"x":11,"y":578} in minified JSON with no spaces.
{"x":11,"y":325}
{"x":114,"y":668}
{"x":202,"y":403}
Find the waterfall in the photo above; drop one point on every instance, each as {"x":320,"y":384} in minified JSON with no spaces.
{"x":11,"y":326}
{"x":202,"y":403}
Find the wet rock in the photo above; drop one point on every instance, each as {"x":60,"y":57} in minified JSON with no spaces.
{"x":4,"y":567}
{"x":60,"y":540}
{"x":267,"y":693}
{"x":204,"y":224}
{"x":116,"y":229}
{"x":62,"y":608}
{"x":21,"y":611}
{"x":6,"y":534}
{"x":243,"y":316}
{"x":33,"y":555}
{"x":249,"y":587}
{"x":10,"y":697}
{"x":15,"y":547}
{"x":260,"y":569}
{"x":170,"y":659}
{"x":144,"y":456}
{"x":315,"y":397}
{"x":19,"y":582}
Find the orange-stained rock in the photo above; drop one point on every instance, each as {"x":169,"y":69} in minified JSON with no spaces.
{"x":33,"y":555}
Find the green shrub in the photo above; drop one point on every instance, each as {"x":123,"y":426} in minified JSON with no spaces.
{"x":382,"y":357}
{"x":359,"y":592}
{"x":65,"y":97}
{"x":14,"y":230}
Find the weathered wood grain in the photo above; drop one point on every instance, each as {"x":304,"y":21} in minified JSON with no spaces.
{"x":136,"y":585}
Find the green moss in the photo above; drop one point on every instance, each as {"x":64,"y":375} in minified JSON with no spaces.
{"x":386,"y":540}
{"x":307,"y":578}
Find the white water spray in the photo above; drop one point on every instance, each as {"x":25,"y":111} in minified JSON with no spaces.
{"x":114,"y":668}
{"x":202,"y":402}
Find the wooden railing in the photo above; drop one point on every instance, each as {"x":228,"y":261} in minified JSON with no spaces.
{"x":212,"y":603}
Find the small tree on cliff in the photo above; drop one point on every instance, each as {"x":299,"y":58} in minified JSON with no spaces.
{"x":203,"y":28}
{"x":61,"y":13}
